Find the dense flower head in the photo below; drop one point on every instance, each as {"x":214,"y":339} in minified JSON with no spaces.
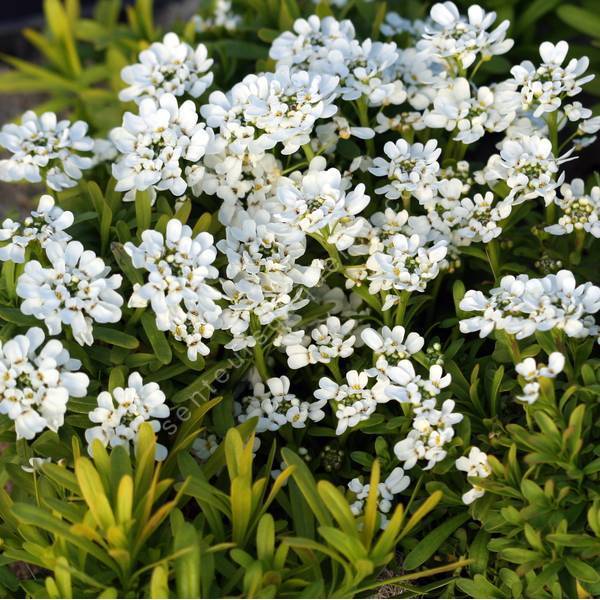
{"x":45,"y":224}
{"x":543,"y":88}
{"x":275,"y":406}
{"x":523,"y":305}
{"x":529,"y":168}
{"x":74,"y":291}
{"x":579,"y":211}
{"x":154,"y":145}
{"x":120,"y":413}
{"x":36,"y":382}
{"x":411,"y":168}
{"x":281,"y":107}
{"x":178,"y":266}
{"x":353,"y":401}
{"x":463,"y":39}
{"x":168,"y":67}
{"x":45,"y":149}
{"x":329,"y":341}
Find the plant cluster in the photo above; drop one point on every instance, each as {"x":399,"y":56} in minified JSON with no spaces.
{"x":302,"y":313}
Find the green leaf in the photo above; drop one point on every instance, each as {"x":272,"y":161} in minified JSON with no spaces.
{"x":581,"y":570}
{"x":583,"y":20}
{"x":429,"y":545}
{"x":115,"y":337}
{"x":157,"y":339}
{"x":187,"y":567}
{"x":14,"y":315}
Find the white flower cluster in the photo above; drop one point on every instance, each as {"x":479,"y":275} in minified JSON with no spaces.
{"x":329,"y":341}
{"x":36,"y":382}
{"x":432,"y":430}
{"x":521,"y":306}
{"x":221,"y":16}
{"x":390,"y":346}
{"x":531,"y":373}
{"x":266,"y":283}
{"x":543,"y":88}
{"x":74,"y":290}
{"x":45,"y":224}
{"x":461,"y":40}
{"x":364,"y":70}
{"x":474,"y":465}
{"x":275,"y":406}
{"x":528,"y":167}
{"x":168,"y":67}
{"x":264,"y":110}
{"x":354,"y":401}
{"x":45,"y":149}
{"x":120,"y":414}
{"x":395,"y":483}
{"x":154,"y":145}
{"x":580,"y":211}
{"x":178,"y":265}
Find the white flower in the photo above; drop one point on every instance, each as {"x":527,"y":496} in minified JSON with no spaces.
{"x":580,"y":211}
{"x":222,"y":16}
{"x":120,"y":414}
{"x":394,"y":25}
{"x":521,"y":306}
{"x":354,"y":401}
{"x":275,"y":406}
{"x":544,"y":87}
{"x":155,"y":144}
{"x":327,"y":342}
{"x":460,"y":40}
{"x":318,"y":199}
{"x":45,"y":149}
{"x":408,"y":264}
{"x":528,"y":167}
{"x":36,"y":383}
{"x":281,"y":107}
{"x":395,"y":483}
{"x":391,"y":346}
{"x":477,"y":219}
{"x":411,"y":168}
{"x":474,"y":465}
{"x":74,"y":291}
{"x":455,"y":110}
{"x":178,"y":266}
{"x":531,"y":373}
{"x":170,"y":66}
{"x":204,"y":446}
{"x":45,"y":224}
{"x":406,"y":386}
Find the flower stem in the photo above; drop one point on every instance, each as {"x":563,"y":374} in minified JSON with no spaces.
{"x":363,"y":117}
{"x":492,"y":251}
{"x":334,"y":367}
{"x":308,"y":152}
{"x":553,"y":131}
{"x":259,"y":355}
{"x":401,"y":308}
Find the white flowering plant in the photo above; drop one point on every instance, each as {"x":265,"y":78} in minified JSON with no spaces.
{"x":307,"y":307}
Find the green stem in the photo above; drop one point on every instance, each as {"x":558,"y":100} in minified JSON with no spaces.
{"x":334,"y":367}
{"x":259,"y":355}
{"x":363,"y":118}
{"x":551,"y":120}
{"x":492,"y":250}
{"x":308,"y":152}
{"x":401,"y":308}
